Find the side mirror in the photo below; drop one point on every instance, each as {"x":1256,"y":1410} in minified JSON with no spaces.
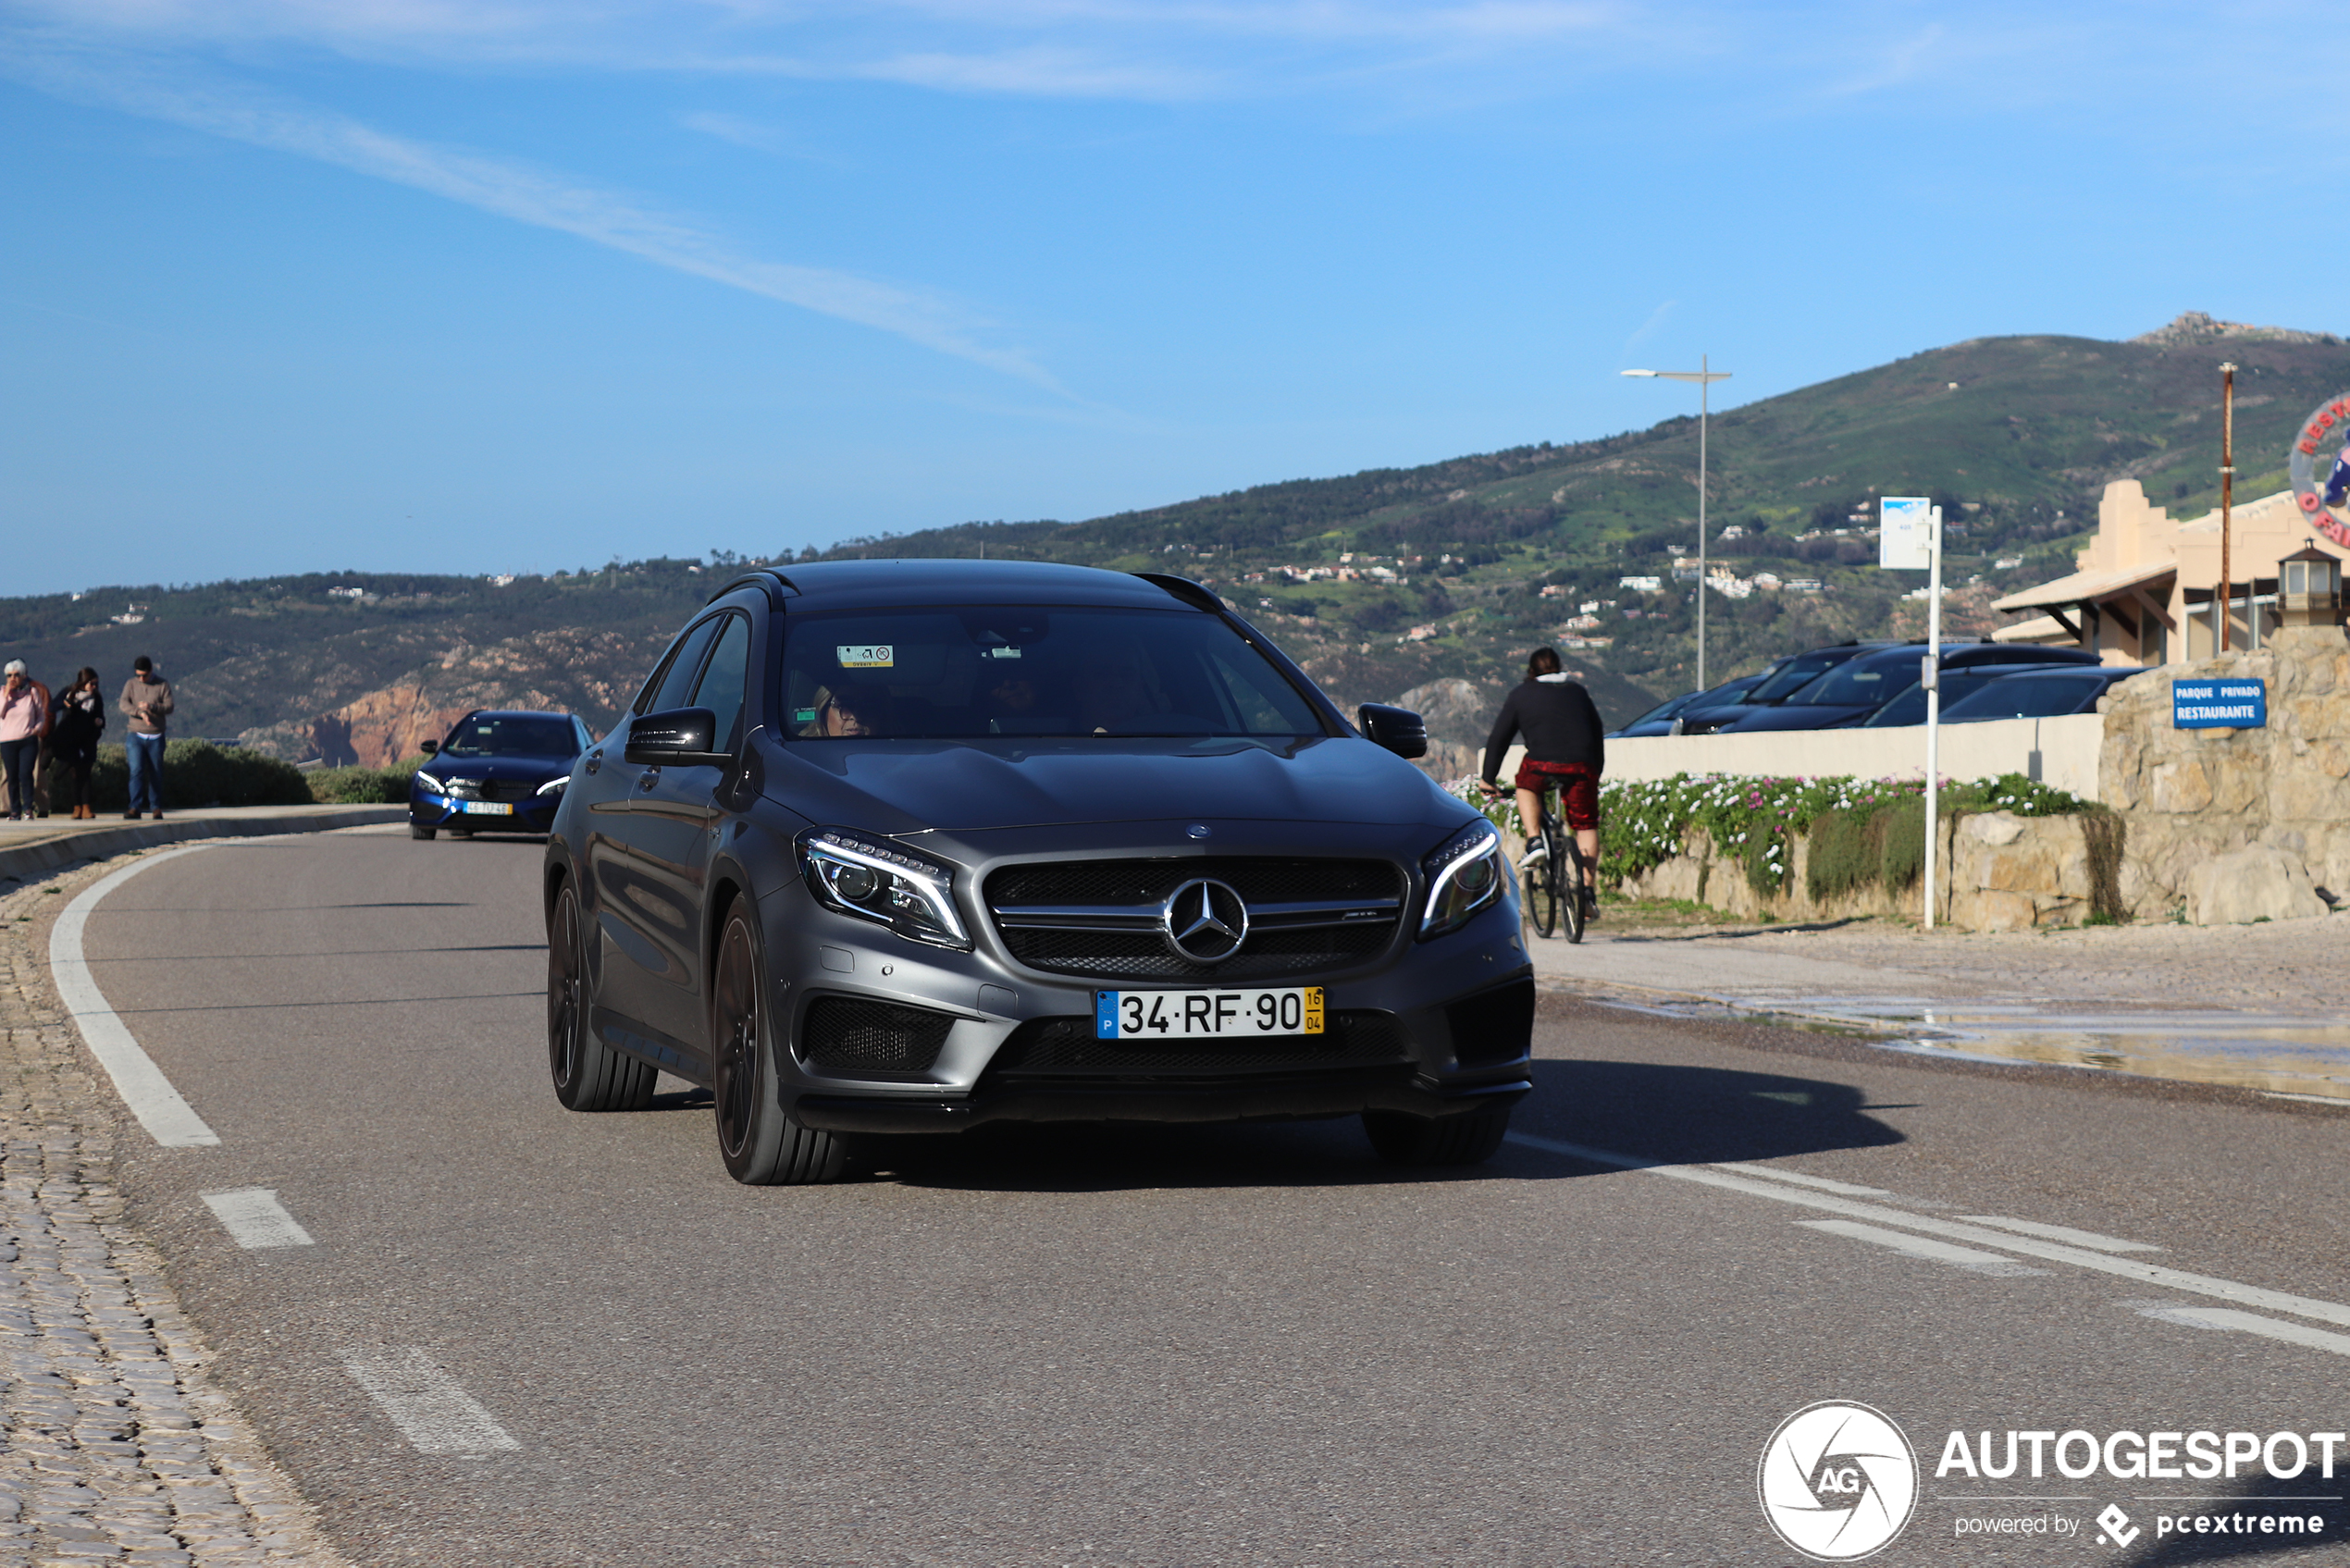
{"x":681,"y":736}
{"x":430,"y":747}
{"x":1398,"y":729}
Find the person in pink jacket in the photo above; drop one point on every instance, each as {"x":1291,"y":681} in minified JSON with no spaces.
{"x":23,"y":717}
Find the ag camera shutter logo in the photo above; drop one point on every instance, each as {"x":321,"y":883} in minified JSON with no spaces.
{"x":1838,"y":1481}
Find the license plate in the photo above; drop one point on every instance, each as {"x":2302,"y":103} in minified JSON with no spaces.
{"x":489,"y":807}
{"x":1207,"y":1015}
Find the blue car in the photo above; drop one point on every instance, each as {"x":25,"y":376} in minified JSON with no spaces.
{"x":497,"y":772}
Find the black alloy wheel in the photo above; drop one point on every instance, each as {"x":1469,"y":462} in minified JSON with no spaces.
{"x":588,"y":1074}
{"x":763,"y":1146}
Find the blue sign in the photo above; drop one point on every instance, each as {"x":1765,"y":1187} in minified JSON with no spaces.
{"x":2220,"y":705}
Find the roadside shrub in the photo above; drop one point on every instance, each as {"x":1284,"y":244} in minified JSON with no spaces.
{"x":363,"y":786}
{"x":195,"y":773}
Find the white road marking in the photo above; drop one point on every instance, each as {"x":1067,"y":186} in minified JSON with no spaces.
{"x":149,"y":1095}
{"x":254,"y":1217}
{"x":2251,"y":1322}
{"x":432,"y":1412}
{"x":2102,"y":1263}
{"x":2064,"y":1233}
{"x":1821,"y":1182}
{"x":1927,"y":1248}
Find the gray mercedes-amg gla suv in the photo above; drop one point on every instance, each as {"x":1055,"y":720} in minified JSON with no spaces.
{"x":902,"y":846}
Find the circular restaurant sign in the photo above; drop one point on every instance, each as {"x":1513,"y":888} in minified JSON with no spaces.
{"x":2320,"y":467}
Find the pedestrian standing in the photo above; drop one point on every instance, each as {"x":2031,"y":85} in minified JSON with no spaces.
{"x":22,"y":715}
{"x":42,"y":763}
{"x":74,"y":729}
{"x":146,"y":700}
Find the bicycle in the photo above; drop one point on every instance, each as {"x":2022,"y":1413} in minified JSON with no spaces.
{"x":1550,"y":896}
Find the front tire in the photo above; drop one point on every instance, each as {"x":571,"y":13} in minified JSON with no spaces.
{"x":588,"y":1074}
{"x":419,"y":830}
{"x":763,"y":1145}
{"x":1470,"y":1138}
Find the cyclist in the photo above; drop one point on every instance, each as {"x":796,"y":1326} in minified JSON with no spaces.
{"x":1561,"y":727}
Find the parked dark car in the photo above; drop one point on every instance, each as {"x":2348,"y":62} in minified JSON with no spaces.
{"x":1779,"y":686}
{"x":908,"y":846}
{"x":498,"y":771}
{"x":2038,"y":694}
{"x":1848,"y":694}
{"x":1659,"y":719}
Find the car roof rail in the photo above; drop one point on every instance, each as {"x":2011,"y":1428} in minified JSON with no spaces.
{"x":1191,"y":593}
{"x":777,"y":587}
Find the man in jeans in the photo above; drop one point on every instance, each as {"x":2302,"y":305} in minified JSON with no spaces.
{"x":146,"y":700}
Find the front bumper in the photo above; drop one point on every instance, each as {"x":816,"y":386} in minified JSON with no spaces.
{"x":533,"y":814}
{"x":1429,"y":1028}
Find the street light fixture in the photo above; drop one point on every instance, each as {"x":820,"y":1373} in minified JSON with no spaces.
{"x":1704,"y":377}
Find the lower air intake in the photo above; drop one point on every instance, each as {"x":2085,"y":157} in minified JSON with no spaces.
{"x":861,"y":1039}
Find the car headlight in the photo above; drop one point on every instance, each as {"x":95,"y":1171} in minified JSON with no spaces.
{"x":434,"y":785}
{"x":1463,"y":877}
{"x":555,"y":784}
{"x":875,"y":880}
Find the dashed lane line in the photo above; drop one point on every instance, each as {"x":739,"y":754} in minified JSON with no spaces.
{"x":254,"y":1218}
{"x":428,"y":1406}
{"x":1975,"y":1262}
{"x":2064,"y":1233}
{"x":2250,"y":1323}
{"x":169,"y":1118}
{"x":2029,"y":1246}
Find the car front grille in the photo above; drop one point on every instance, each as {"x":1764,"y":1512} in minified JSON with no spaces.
{"x":1066,"y":1047}
{"x":855,"y":1038}
{"x":1101,"y":919}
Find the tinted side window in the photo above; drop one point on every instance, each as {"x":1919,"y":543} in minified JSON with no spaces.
{"x":677,"y":678}
{"x":721,"y":690}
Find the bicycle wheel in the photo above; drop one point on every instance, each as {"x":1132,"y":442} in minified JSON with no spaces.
{"x":1571,"y":897}
{"x":1542,"y":891}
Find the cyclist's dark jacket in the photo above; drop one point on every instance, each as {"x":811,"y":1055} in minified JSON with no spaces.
{"x":1556,"y":718}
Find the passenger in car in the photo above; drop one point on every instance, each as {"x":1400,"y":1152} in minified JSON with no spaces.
{"x":850,"y":711}
{"x":1111,"y":692}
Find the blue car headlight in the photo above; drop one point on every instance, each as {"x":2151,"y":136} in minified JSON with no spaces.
{"x":875,"y":880}
{"x":554,"y":785}
{"x":1463,"y":876}
{"x":430,"y":785}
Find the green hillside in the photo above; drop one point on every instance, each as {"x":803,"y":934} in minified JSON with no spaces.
{"x":2015,"y":436}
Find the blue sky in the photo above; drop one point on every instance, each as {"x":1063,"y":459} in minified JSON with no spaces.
{"x":494,"y":285}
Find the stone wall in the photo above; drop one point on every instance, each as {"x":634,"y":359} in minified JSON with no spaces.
{"x":1994,"y":872}
{"x":2229,"y":825}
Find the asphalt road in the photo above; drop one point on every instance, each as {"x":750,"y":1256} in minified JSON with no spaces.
{"x":1181,"y":1346}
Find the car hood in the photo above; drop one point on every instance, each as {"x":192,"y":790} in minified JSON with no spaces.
{"x":520,"y":769}
{"x":1809,"y":716}
{"x":906,"y":786}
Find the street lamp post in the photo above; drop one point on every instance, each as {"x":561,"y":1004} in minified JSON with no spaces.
{"x":1704,"y":377}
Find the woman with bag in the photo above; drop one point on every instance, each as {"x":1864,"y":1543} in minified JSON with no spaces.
{"x":81,"y":719}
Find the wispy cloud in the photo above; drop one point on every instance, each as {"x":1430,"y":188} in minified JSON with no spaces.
{"x":514,"y":190}
{"x":1656,"y":318}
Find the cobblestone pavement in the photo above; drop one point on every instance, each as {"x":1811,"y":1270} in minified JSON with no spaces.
{"x":115,"y":1448}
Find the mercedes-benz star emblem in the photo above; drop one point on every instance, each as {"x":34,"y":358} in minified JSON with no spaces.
{"x":1205,"y":921}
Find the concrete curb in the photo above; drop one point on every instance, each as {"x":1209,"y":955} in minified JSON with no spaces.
{"x":24,"y":861}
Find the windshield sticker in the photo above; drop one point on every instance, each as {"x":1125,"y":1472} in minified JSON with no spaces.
{"x":805,"y":715}
{"x":867,"y":656}
{"x":999,"y":653}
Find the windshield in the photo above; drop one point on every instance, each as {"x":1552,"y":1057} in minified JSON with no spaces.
{"x":1029,"y":670}
{"x":2029,"y":697}
{"x":1860,"y":683}
{"x":1798,"y":673}
{"x":511,"y":734}
{"x":1909,"y":707}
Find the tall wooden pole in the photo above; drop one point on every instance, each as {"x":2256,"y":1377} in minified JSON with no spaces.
{"x":2227,"y":500}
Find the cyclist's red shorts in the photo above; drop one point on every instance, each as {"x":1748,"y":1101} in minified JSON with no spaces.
{"x":1578,"y":789}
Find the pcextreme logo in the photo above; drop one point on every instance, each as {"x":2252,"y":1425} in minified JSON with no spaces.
{"x":1838,"y":1481}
